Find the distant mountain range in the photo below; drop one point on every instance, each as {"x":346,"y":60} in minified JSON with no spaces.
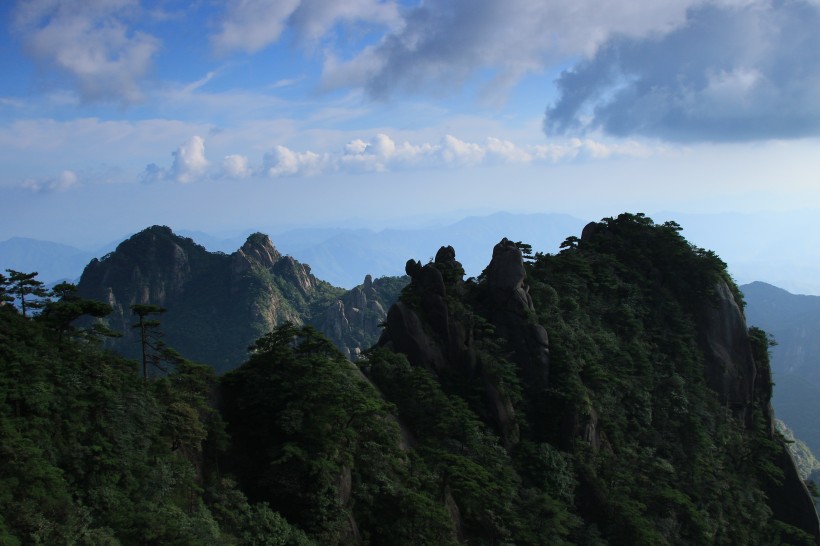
{"x":340,"y":256}
{"x":53,"y":261}
{"x":756,"y":246}
{"x":794,"y":323}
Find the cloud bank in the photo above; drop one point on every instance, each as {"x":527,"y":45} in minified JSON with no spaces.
{"x":441,"y":44}
{"x":383,"y":154}
{"x":62,"y":182}
{"x":732,"y":73}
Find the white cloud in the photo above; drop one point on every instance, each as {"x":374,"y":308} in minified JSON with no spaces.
{"x":189,"y":160}
{"x":235,"y":166}
{"x":282,"y":161}
{"x":443,"y":43}
{"x":189,"y":164}
{"x":250,"y":25}
{"x":62,"y":182}
{"x":383,"y":154}
{"x":91,"y":43}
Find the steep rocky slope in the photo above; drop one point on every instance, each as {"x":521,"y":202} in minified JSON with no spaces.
{"x":794,"y":322}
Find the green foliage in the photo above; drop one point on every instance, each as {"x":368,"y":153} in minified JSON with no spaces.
{"x":92,"y":454}
{"x":622,"y":307}
{"x":311,"y":437}
{"x":65,"y":307}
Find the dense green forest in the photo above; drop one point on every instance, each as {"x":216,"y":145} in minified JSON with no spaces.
{"x":607,"y":394}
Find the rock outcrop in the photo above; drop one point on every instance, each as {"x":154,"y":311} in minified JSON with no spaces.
{"x":745,"y":386}
{"x":431,"y":328}
{"x":354,"y":322}
{"x":513,"y":315}
{"x":730,"y":368}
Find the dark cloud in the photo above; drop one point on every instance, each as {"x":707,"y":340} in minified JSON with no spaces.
{"x":737,"y":73}
{"x":442,"y":44}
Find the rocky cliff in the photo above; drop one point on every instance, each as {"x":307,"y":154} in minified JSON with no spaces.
{"x":354,"y":321}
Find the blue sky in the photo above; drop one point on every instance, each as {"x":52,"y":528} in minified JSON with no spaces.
{"x":226,"y":116}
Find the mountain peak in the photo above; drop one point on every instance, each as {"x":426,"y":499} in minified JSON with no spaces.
{"x":259,"y":249}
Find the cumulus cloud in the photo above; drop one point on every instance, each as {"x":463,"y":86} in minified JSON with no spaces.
{"x":734,"y":72}
{"x":282,"y":161}
{"x":189,"y":164}
{"x":62,"y":182}
{"x":252,"y":25}
{"x":235,"y":166}
{"x":383,"y":154}
{"x":682,"y":70}
{"x":189,"y":160}
{"x":90,"y":42}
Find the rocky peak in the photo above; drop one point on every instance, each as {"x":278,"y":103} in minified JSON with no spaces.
{"x":511,"y":312}
{"x":441,"y":338}
{"x":257,"y":250}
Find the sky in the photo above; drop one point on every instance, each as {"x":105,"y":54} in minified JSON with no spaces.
{"x":225,"y":116}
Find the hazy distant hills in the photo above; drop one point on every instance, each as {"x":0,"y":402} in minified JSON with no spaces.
{"x":768,"y":247}
{"x":775,"y":247}
{"x":794,"y":321}
{"x":346,"y":256}
{"x":53,"y":261}
{"x":340,"y":256}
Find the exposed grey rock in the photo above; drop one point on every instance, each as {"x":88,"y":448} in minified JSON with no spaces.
{"x":353,"y":323}
{"x":512,"y":313}
{"x":724,"y":340}
{"x":432,"y":337}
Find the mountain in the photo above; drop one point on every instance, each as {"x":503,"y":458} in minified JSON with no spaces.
{"x":629,"y":353}
{"x":608,"y":394}
{"x":52,"y":261}
{"x":794,"y":323}
{"x":218,"y":304}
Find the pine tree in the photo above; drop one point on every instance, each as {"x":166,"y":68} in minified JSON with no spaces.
{"x":23,"y":285}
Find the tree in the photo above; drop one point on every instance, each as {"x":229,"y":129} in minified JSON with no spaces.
{"x":65,"y":306}
{"x":4,"y":290}
{"x":154,"y":350}
{"x":24,"y":285}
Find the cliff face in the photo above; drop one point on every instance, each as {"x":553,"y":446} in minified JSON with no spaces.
{"x":354,"y":322}
{"x":628,"y":353}
{"x":217,"y":304}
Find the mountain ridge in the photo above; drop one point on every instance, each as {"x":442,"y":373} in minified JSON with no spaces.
{"x":218,"y":304}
